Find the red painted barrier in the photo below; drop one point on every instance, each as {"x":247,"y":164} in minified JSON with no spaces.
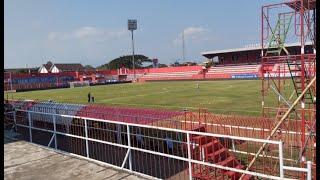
{"x":131,"y":115}
{"x":175,"y":69}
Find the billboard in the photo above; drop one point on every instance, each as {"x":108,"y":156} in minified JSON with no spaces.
{"x":281,"y":74}
{"x":244,"y":76}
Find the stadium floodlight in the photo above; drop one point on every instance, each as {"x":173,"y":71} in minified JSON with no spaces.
{"x":132,"y":25}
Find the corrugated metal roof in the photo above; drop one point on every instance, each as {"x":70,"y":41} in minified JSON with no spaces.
{"x":69,"y":67}
{"x":245,"y":49}
{"x":54,"y":108}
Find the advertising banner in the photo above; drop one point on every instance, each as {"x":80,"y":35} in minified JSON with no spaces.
{"x":244,"y":76}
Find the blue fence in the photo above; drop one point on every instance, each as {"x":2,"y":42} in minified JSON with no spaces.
{"x":50,"y":79}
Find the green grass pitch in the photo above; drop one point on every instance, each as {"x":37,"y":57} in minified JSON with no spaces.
{"x":241,"y":97}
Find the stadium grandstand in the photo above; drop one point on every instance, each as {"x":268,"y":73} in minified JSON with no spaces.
{"x":238,"y":63}
{"x":245,"y":62}
{"x":172,"y":73}
{"x":188,"y":142}
{"x":250,"y":54}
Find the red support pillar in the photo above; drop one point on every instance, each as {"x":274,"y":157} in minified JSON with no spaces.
{"x":262,"y":65}
{"x":303,"y":160}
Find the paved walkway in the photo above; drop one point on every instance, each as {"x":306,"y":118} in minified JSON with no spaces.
{"x":25,"y":161}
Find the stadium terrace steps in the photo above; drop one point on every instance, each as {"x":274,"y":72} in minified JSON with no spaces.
{"x":177,"y":73}
{"x":174,"y":69}
{"x":131,"y":76}
{"x":226,"y":72}
{"x":130,"y":115}
{"x":190,"y":73}
{"x":184,"y":72}
{"x":210,"y":149}
{"x":284,"y":67}
{"x":112,"y":113}
{"x":234,"y":69}
{"x":173,"y":75}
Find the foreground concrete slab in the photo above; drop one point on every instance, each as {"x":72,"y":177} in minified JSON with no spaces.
{"x":26,"y":161}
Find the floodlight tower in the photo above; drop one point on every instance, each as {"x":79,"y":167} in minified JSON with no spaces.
{"x":132,"y":25}
{"x":183,"y":48}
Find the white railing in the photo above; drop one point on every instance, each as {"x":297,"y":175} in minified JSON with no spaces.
{"x":130,"y":148}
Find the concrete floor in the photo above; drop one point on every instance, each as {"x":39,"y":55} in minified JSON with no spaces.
{"x":25,"y":161}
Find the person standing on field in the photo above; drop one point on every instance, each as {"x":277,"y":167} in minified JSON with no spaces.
{"x":89,"y":97}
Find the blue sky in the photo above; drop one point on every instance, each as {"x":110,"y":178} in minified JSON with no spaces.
{"x":95,"y":31}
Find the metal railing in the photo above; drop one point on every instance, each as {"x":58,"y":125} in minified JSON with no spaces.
{"x":117,"y":144}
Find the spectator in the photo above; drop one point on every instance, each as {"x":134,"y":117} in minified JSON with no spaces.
{"x":169,"y":143}
{"x":89,"y":97}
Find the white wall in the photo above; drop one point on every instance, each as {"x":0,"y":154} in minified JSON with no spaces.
{"x":43,"y":70}
{"x":54,"y":69}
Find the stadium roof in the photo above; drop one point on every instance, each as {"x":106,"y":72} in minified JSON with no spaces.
{"x":69,"y":67}
{"x":20,"y":69}
{"x":253,"y":48}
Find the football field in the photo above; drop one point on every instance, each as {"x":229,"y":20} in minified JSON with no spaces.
{"x":241,"y":97}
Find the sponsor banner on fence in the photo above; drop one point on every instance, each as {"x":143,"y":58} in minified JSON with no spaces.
{"x":244,"y":76}
{"x":281,"y":74}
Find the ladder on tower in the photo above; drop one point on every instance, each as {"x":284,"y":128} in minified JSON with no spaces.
{"x":279,"y":34}
{"x":297,"y":80}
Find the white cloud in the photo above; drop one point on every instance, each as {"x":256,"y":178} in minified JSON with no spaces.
{"x":108,"y":35}
{"x":87,"y":31}
{"x":195,"y":34}
{"x":52,"y":36}
{"x":193,"y":31}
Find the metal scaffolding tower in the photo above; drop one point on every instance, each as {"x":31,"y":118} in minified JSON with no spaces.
{"x":285,"y":75}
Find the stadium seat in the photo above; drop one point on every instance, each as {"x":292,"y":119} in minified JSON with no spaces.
{"x":226,"y":72}
{"x":173,"y":73}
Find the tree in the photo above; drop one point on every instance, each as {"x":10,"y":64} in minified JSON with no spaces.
{"x":209,"y":63}
{"x":162,"y":65}
{"x":22,"y":71}
{"x":176,"y":63}
{"x":88,"y":67}
{"x":49,"y":63}
{"x":159,"y":66}
{"x":125,"y":61}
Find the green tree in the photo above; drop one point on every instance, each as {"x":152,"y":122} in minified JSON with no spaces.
{"x":162,"y":65}
{"x":159,"y":66}
{"x":22,"y":71}
{"x":88,"y":67}
{"x":125,"y":61}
